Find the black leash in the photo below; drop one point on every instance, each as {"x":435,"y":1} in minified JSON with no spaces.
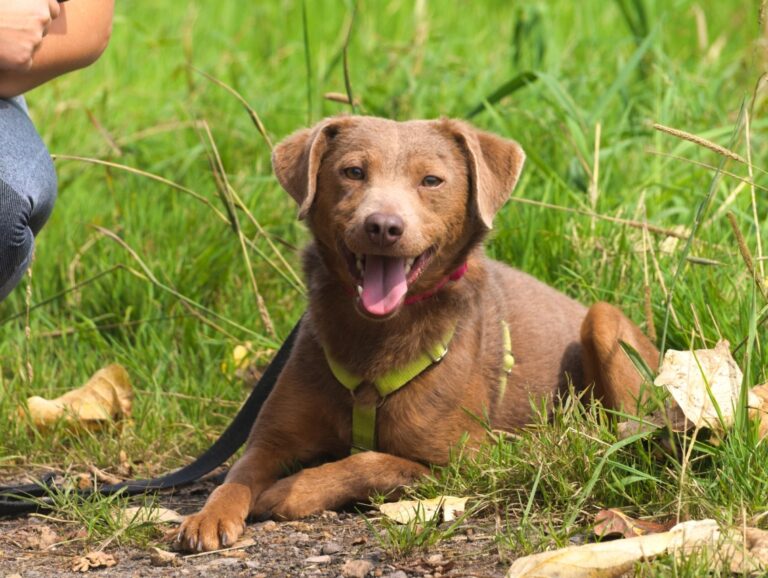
{"x":16,"y":500}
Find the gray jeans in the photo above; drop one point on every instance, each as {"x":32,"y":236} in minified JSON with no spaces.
{"x":27,"y":191}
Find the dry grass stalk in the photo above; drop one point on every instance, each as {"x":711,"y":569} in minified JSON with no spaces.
{"x":681,"y":134}
{"x":755,"y":218}
{"x":746,"y":255}
{"x":225,"y":191}
{"x":648,"y":310}
{"x":339,"y":97}
{"x":655,"y":229}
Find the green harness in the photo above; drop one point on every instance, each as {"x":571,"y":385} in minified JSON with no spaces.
{"x":364,"y":415}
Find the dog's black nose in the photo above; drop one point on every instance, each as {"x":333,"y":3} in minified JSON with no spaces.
{"x":384,"y":229}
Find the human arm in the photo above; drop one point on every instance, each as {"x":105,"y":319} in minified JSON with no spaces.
{"x":75,"y":39}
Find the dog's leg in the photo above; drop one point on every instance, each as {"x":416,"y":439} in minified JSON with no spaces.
{"x":222,"y":519}
{"x":616,"y":381}
{"x":335,"y":484}
{"x":297,"y":424}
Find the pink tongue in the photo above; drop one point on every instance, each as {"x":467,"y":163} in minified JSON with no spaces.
{"x":384,"y":284}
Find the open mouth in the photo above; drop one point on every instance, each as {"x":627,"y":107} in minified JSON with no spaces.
{"x":383,"y":281}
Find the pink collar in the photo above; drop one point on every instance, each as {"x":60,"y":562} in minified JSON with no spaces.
{"x":455,"y":276}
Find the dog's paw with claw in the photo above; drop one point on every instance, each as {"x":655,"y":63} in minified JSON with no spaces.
{"x":220,"y":523}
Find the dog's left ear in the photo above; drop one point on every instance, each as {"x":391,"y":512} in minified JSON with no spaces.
{"x":494,"y":164}
{"x":296,"y":161}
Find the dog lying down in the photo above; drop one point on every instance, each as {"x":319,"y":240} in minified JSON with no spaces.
{"x":410,"y":329}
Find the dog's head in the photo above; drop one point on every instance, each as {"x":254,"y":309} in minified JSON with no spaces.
{"x":395,"y":205}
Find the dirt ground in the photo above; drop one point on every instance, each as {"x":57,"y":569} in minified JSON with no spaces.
{"x":332,"y":544}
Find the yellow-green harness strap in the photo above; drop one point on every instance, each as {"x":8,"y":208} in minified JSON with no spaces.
{"x":364,"y":415}
{"x":508,"y":363}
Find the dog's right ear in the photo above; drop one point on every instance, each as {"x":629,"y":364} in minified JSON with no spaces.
{"x":296,"y":161}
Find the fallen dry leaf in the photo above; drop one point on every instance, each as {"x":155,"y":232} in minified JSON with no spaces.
{"x":738,"y":551}
{"x":39,"y":537}
{"x":106,"y":396}
{"x":614,"y":522}
{"x":158,"y":557}
{"x":93,"y":560}
{"x":685,"y":375}
{"x":760,"y":409}
{"x":406,"y":511}
{"x":142,"y":515}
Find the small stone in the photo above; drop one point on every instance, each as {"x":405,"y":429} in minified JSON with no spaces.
{"x":318,"y":560}
{"x":435,"y":560}
{"x":398,"y":574}
{"x":356,"y":568}
{"x":331,"y":548}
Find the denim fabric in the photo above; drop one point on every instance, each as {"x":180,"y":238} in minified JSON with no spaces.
{"x":27,"y":191}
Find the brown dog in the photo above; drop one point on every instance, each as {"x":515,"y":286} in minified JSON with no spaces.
{"x":396,"y":277}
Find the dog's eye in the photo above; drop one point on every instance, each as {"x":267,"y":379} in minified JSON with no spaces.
{"x":354,"y":173}
{"x":431,"y":181}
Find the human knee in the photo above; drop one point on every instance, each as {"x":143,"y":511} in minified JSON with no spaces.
{"x":16,"y":237}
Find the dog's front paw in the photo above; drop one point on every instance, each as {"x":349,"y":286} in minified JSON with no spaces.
{"x":221,"y":521}
{"x":295,"y":497}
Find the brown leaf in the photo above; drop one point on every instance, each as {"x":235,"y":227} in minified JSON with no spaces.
{"x":106,"y":396}
{"x":614,"y":522}
{"x":93,"y":560}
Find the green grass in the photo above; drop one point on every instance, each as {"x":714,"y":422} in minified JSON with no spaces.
{"x":544,"y":73}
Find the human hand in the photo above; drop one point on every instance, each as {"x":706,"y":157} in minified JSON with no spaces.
{"x":23,"y":24}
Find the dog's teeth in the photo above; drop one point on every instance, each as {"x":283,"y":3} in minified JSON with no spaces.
{"x":359,"y":263}
{"x":360,"y":290}
{"x":409,"y":264}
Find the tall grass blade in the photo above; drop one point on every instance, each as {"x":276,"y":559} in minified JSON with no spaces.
{"x":698,"y":219}
{"x":638,"y":361}
{"x":248,"y":108}
{"x":510,"y":87}
{"x":636,"y":17}
{"x":150,"y":276}
{"x":623,"y":78}
{"x":345,"y":58}
{"x":307,"y":62}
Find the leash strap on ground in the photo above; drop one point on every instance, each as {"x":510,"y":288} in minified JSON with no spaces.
{"x":16,"y":500}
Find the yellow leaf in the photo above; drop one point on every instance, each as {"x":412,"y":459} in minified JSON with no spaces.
{"x":143,"y":515}
{"x":760,"y":408}
{"x":406,"y":511}
{"x":241,"y":356}
{"x":737,"y":550}
{"x":106,"y":396}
